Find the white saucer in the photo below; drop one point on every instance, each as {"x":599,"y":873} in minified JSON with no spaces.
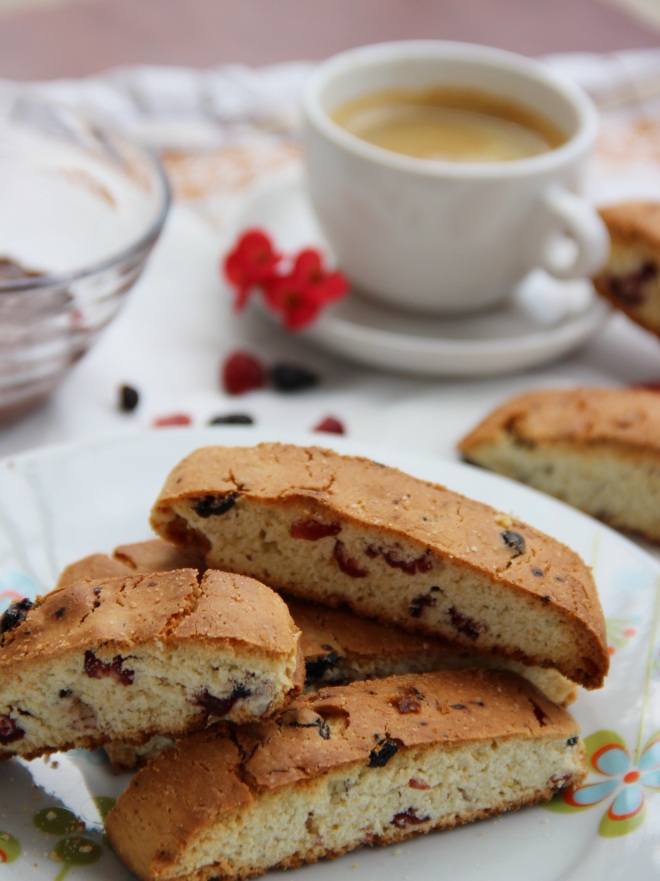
{"x":543,"y":320}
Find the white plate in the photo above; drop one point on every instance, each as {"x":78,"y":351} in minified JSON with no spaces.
{"x":543,"y":320}
{"x":62,"y":503}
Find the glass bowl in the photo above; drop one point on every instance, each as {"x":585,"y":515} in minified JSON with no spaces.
{"x":82,"y":207}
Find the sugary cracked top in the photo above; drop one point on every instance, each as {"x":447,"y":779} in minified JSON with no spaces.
{"x":358,"y":490}
{"x":623,"y":417}
{"x":225,"y":767}
{"x":124,"y":612}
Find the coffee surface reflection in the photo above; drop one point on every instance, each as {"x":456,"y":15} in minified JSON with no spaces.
{"x":449,"y":124}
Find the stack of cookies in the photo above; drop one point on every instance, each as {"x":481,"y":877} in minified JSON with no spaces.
{"x":437,"y":639}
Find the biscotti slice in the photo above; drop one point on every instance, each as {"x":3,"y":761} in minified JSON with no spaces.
{"x":596,"y":448}
{"x":127,"y":658}
{"x":630,"y":279}
{"x":368,"y":763}
{"x":152,"y":555}
{"x":337,"y":645}
{"x":346,"y":530}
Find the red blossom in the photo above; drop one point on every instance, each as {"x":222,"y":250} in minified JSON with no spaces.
{"x":302,"y":294}
{"x":252,"y":262}
{"x":298,"y":294}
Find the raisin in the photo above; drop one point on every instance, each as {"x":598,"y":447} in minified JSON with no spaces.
{"x":291,"y":378}
{"x":408,"y":702}
{"x":319,"y":723}
{"x":9,"y":730}
{"x":408,"y":818}
{"x":316,"y":668}
{"x":220,"y":706}
{"x":60,"y":612}
{"x":313,"y":530}
{"x":348,"y":565}
{"x":629,"y":289}
{"x":232,"y":419}
{"x":421,"y":602}
{"x":466,"y":625}
{"x":213,"y":506}
{"x":65,"y":692}
{"x":128,"y":398}
{"x":97,"y":669}
{"x":14,"y":614}
{"x":514,"y":540}
{"x":537,"y":572}
{"x":382,"y":753}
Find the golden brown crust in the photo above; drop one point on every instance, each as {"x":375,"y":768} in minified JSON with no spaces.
{"x":336,"y":644}
{"x":452,"y":707}
{"x":630,"y":278}
{"x":361,"y":491}
{"x":183,"y":648}
{"x":627,"y":419}
{"x":357,"y":491}
{"x":597,"y":449}
{"x":155,"y":555}
{"x":119,"y":613}
{"x":95,"y":566}
{"x":634,"y":222}
{"x":216,"y":775}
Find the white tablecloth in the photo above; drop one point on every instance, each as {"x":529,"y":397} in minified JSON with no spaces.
{"x":222,"y":132}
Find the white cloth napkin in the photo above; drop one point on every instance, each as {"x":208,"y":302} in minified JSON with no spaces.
{"x":221,"y":129}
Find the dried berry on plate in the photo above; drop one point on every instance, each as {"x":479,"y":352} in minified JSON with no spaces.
{"x":242,"y":372}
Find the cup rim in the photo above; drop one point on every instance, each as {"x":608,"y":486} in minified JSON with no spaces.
{"x":370,"y":55}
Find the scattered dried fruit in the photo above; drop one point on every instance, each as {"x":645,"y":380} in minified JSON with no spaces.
{"x":129,"y":398}
{"x":242,"y":372}
{"x":171,"y":420}
{"x":292,"y":377}
{"x":331,"y":425}
{"x":232,"y":419}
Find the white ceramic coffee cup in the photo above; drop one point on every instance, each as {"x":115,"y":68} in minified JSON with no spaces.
{"x":443,"y":236}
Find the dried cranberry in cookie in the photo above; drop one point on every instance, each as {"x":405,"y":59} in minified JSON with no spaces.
{"x":133,"y":656}
{"x":347,"y":531}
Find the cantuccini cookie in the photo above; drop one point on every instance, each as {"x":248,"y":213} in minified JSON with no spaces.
{"x":596,"y":448}
{"x":364,"y":764}
{"x":135,"y":656}
{"x":344,"y":530}
{"x":630,"y":279}
{"x":337,"y":645}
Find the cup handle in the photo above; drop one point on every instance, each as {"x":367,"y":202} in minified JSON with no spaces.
{"x":581,"y":248}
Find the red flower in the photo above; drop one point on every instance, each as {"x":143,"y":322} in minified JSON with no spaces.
{"x":302,"y":294}
{"x":298,"y":295}
{"x":252,"y":262}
